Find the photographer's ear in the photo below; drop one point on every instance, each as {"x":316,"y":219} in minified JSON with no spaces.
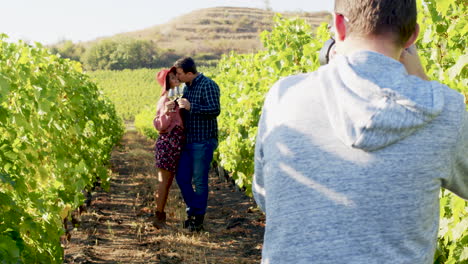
{"x":413,"y":37}
{"x":340,"y":26}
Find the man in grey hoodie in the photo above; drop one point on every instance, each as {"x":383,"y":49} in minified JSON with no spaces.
{"x":350,"y":159}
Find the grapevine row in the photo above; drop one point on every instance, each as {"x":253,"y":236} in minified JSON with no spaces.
{"x":56,"y":134}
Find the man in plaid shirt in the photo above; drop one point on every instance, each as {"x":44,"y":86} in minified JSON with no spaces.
{"x":201,"y":104}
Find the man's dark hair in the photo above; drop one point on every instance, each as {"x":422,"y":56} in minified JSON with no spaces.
{"x":378,"y":17}
{"x":187,"y":64}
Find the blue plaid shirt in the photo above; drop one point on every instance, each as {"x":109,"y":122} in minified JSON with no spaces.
{"x":200,"y":122}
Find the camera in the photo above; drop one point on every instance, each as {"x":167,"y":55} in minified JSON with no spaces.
{"x":324,"y":55}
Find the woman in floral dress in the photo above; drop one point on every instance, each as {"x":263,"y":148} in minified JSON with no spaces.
{"x":169,"y":144}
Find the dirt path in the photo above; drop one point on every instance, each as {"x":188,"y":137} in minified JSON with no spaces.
{"x":116,"y":227}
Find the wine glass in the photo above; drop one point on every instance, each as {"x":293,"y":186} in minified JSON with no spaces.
{"x":172,"y":96}
{"x":179,"y":91}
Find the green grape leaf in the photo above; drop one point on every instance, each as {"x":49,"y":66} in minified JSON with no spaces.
{"x":460,"y":229}
{"x":8,"y":250}
{"x":5,"y":178}
{"x":443,"y":6}
{"x":4,"y":89}
{"x":427,"y":36}
{"x":464,"y":254}
{"x":456,"y":69}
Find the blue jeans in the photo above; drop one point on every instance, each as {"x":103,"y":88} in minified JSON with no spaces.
{"x":194,"y":166}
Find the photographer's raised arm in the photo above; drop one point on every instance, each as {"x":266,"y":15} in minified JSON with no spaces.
{"x":410,"y":59}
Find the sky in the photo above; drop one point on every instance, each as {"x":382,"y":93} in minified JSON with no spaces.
{"x":50,"y":21}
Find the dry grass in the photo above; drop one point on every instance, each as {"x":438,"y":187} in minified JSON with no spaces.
{"x":117,"y":227}
{"x":223,"y":27}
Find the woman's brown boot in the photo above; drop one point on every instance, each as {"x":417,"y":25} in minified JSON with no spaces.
{"x":159,"y":220}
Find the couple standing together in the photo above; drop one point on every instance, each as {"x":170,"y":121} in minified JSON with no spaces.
{"x":188,"y":136}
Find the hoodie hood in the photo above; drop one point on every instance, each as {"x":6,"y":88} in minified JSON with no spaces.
{"x":372,"y":102}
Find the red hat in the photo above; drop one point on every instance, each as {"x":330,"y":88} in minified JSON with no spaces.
{"x":161,"y":77}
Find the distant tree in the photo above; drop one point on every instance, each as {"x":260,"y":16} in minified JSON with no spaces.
{"x":122,"y":53}
{"x":99,"y":56}
{"x":133,"y":54}
{"x":67,"y":49}
{"x":167,"y":58}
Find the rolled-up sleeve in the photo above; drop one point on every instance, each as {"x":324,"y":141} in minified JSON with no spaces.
{"x":162,"y":121}
{"x":212,"y":105}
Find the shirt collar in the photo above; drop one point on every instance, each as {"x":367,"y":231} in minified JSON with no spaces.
{"x":195,"y":80}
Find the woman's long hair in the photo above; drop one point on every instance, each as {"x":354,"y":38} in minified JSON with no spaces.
{"x":168,"y":85}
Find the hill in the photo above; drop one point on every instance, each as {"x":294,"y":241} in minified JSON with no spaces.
{"x":217,"y":30}
{"x":204,"y":34}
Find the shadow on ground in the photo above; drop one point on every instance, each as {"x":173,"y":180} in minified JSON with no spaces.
{"x":116,"y":227}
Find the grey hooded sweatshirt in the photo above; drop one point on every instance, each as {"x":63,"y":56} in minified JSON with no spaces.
{"x":350,"y":160}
